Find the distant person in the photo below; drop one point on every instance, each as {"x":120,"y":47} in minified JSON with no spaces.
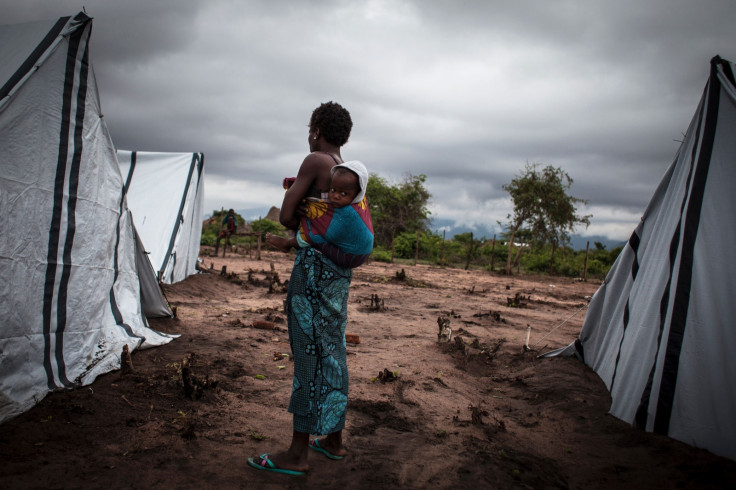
{"x":229,"y":226}
{"x":341,"y":227}
{"x":316,"y":308}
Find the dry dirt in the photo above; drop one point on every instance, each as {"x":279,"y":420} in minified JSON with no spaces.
{"x":479,"y":412}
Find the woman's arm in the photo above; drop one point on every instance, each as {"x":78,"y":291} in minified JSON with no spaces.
{"x":307,"y":176}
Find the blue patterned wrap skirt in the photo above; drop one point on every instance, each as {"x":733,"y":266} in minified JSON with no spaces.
{"x":317,"y":312}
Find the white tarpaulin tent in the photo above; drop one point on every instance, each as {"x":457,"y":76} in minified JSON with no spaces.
{"x":165,"y":192}
{"x":661,"y":330}
{"x":69,"y":284}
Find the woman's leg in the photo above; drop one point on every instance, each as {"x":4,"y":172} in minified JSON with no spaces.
{"x":317,"y":313}
{"x":317,"y":304}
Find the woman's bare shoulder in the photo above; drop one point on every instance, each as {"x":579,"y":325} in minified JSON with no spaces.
{"x":318,"y":157}
{"x":315,"y":163}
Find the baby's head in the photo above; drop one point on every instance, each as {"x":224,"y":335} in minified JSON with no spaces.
{"x":344,"y":187}
{"x":349,"y":182}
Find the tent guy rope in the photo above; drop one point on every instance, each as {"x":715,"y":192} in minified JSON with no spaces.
{"x":559,"y":325}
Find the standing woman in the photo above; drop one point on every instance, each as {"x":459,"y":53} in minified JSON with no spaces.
{"x":316,"y":304}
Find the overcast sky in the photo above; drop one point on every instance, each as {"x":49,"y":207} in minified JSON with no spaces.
{"x":466,"y":92}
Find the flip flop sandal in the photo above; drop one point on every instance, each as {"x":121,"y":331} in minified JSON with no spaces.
{"x":268,"y":465}
{"x":315,"y":445}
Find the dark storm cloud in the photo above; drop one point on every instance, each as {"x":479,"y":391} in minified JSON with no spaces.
{"x":464,"y":92}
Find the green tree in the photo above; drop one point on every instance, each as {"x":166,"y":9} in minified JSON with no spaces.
{"x":397,"y":208}
{"x":542,"y":204}
{"x":265,"y":225}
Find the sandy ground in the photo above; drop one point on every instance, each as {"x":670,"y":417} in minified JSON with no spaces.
{"x":478,"y":411}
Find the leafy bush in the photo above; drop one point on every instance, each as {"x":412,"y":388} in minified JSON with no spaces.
{"x":430,"y":246}
{"x":488,"y":252}
{"x":380,"y":254}
{"x":569,"y":263}
{"x":208,"y":238}
{"x":596,"y":268}
{"x":451,"y":252}
{"x":264,"y":226}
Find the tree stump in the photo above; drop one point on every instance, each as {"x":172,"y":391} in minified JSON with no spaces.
{"x":126,"y":363}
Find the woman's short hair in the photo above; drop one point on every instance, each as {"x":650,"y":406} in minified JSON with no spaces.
{"x":333,"y":122}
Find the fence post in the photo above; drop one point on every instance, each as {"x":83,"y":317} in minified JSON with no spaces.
{"x":470,"y":252}
{"x":416,"y":250}
{"x":585,"y":267}
{"x":393,"y":245}
{"x":493,"y":252}
{"x":442,"y":250}
{"x":518,"y":258}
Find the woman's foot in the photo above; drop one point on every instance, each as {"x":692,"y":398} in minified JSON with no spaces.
{"x":330,"y":445}
{"x":284,"y":461}
{"x":279,"y":243}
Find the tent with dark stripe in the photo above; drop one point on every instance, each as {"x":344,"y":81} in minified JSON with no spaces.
{"x":165,"y":192}
{"x":661,"y":330}
{"x":70,"y":296}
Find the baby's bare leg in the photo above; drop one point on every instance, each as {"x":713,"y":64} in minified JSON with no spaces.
{"x":281,"y":243}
